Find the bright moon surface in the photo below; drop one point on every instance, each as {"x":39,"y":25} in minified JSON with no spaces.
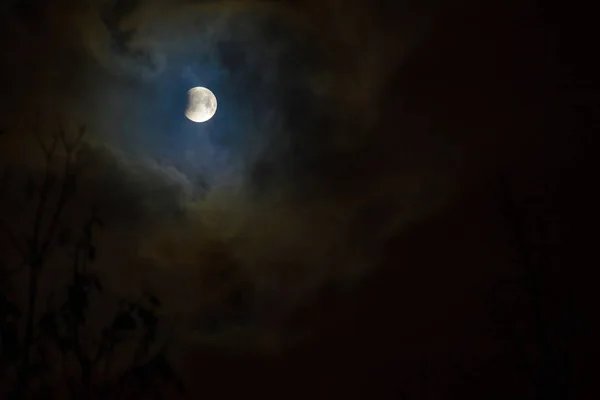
{"x":202,"y":104}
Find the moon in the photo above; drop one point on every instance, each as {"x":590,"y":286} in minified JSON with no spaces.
{"x":202,"y":104}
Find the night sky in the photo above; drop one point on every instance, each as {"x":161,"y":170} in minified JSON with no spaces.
{"x":390,"y":202}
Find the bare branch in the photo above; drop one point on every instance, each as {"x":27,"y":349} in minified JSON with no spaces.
{"x":47,"y":150}
{"x":68,"y":183}
{"x":39,"y":139}
{"x":53,"y":147}
{"x":44,"y":192}
{"x":62,"y":134}
{"x":70,"y":145}
{"x":63,"y":197}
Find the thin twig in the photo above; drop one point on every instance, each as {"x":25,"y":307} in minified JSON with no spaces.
{"x":63,"y":136}
{"x":48,"y":151}
{"x":61,"y":202}
{"x":67,"y":185}
{"x":39,"y":213}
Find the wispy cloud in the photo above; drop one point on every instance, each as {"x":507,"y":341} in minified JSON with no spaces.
{"x":296,"y":182}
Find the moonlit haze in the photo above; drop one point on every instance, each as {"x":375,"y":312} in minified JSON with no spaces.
{"x":380,"y":207}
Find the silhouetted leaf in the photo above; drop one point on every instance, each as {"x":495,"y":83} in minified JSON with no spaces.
{"x":92,"y":253}
{"x":106,"y":332}
{"x":139,"y":374}
{"x":124,"y":321}
{"x":10,"y":342}
{"x":148,"y":317}
{"x":78,"y":281}
{"x":71,"y":182}
{"x":236,"y":298}
{"x":78,"y":298}
{"x":66,"y":344}
{"x":123,"y":303}
{"x":8,"y":308}
{"x":35,"y":370}
{"x":30,"y":188}
{"x":97,"y":283}
{"x":180,"y":385}
{"x":166,"y":371}
{"x":48,"y":324}
{"x":64,"y":236}
{"x":153,"y":299}
{"x":163,"y":367}
{"x":80,"y":317}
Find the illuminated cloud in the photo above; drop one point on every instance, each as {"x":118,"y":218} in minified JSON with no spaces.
{"x":304,"y":160}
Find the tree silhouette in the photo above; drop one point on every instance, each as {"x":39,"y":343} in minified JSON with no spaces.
{"x":27,"y":361}
{"x":545,"y":358}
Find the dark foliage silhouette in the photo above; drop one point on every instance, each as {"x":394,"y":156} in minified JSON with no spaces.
{"x":541,"y":335}
{"x":62,"y":332}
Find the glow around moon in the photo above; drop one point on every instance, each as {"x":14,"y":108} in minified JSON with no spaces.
{"x":202,"y":104}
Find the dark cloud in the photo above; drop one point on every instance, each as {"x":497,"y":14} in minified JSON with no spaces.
{"x":322,"y":148}
{"x":341,"y":194}
{"x":133,"y":192}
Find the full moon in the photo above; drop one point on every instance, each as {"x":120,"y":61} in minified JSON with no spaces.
{"x":202,"y":104}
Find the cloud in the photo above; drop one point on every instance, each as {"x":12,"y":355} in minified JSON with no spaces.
{"x":318,"y":155}
{"x":133,"y":190}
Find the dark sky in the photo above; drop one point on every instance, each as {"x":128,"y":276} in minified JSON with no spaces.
{"x":338,"y":216}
